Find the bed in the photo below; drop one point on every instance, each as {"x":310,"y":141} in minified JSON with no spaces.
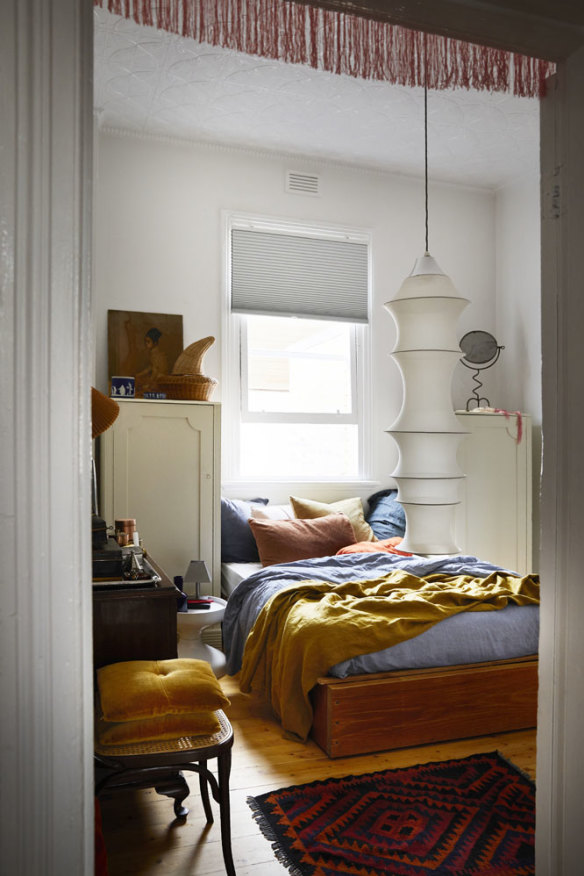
{"x":472,"y":673}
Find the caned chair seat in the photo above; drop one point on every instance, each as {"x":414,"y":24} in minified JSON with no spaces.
{"x":159,"y":763}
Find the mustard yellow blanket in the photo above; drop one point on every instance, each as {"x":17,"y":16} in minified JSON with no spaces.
{"x":304,"y":630}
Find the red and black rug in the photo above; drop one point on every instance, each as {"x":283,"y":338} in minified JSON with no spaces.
{"x":474,"y":815}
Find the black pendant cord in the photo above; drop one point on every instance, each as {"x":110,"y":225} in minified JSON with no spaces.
{"x":426,"y":158}
{"x":426,"y":134}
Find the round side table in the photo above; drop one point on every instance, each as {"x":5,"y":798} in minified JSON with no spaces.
{"x":190,"y":626}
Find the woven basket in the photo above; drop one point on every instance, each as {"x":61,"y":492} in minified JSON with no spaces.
{"x":190,"y":360}
{"x":192,"y":387}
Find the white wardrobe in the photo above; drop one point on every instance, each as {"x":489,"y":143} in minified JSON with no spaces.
{"x":494,"y":518}
{"x":160,"y":463}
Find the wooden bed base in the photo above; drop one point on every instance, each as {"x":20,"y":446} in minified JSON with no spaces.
{"x":388,"y":710}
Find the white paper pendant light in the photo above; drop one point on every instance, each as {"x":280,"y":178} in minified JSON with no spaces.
{"x":427,"y":432}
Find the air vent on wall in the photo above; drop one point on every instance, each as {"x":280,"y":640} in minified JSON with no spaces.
{"x":302,"y":183}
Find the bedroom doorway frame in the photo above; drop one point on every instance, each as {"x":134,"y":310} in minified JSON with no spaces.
{"x":45,"y":182}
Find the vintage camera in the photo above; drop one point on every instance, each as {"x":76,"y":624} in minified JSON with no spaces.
{"x":107,"y":554}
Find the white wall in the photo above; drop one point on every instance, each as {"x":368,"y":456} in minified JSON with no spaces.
{"x":518,"y":315}
{"x":158,"y":244}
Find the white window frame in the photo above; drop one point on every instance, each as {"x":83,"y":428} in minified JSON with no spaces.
{"x":233,"y":368}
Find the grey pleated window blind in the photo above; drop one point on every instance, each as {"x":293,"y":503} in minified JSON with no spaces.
{"x":290,"y":275}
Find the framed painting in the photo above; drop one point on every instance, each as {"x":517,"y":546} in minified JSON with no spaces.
{"x":142,"y":347}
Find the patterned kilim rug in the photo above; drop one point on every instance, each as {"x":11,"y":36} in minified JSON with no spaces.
{"x":474,"y":815}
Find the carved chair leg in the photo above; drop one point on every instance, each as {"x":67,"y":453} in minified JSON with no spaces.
{"x":223,"y":770}
{"x":204,"y":788}
{"x":177,"y":788}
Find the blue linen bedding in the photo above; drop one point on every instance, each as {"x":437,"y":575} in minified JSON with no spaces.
{"x":468,"y":637}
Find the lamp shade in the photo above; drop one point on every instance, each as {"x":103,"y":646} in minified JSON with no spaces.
{"x":196,"y":574}
{"x":428,"y":454}
{"x":426,"y":323}
{"x":428,"y":491}
{"x":427,"y":431}
{"x":427,"y":280}
{"x":427,"y":379}
{"x":429,"y":529}
{"x":104,"y":412}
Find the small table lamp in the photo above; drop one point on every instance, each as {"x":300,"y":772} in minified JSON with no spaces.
{"x":196,"y":574}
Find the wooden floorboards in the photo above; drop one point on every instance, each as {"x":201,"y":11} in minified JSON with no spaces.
{"x":142,"y":837}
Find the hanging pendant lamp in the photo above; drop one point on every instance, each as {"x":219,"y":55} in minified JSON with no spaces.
{"x":427,"y":432}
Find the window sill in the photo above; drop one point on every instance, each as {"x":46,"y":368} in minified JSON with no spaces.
{"x":279,"y":491}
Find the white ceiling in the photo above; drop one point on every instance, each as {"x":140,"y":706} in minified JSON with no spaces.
{"x":150,"y":81}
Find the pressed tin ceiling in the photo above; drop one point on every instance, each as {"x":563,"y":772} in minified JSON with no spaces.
{"x":152,"y":82}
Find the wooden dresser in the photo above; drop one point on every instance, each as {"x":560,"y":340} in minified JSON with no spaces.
{"x":135,"y":624}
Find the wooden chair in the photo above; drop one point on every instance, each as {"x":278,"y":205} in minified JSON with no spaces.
{"x":159,"y":764}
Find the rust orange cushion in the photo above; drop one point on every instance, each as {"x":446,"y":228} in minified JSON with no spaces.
{"x":386,"y":545}
{"x":137,"y":689}
{"x":285,"y":541}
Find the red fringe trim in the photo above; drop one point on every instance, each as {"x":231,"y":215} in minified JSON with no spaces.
{"x":340,"y":43}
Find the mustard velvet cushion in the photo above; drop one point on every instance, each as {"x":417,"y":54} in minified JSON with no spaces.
{"x":137,"y":689}
{"x":285,"y":541}
{"x":353,"y":508}
{"x":162,"y":727}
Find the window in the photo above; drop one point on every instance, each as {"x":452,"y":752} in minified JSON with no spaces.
{"x":297,"y":323}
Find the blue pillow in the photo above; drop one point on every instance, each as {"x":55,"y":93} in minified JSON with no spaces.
{"x":237,"y":542}
{"x":385,"y":515}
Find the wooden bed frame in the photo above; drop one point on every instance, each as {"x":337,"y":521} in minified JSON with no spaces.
{"x":366,"y":713}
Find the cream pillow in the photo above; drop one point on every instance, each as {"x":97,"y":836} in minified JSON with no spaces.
{"x":306,"y":509}
{"x":272,"y":512}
